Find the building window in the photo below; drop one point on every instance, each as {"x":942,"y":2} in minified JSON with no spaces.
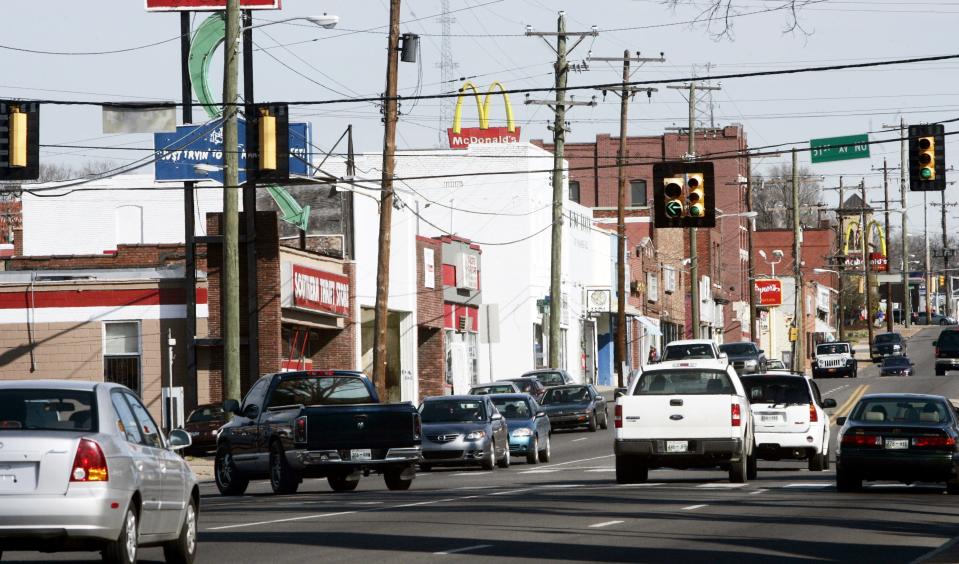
{"x":574,"y":191}
{"x":669,"y":279}
{"x":637,"y":193}
{"x":652,"y":287}
{"x":121,"y":354}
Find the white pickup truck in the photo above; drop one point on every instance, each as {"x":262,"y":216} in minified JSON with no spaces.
{"x":684,"y":414}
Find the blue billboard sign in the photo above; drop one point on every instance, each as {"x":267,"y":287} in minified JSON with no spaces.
{"x":178,"y":153}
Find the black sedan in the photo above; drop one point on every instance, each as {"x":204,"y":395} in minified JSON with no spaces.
{"x":896,"y":366}
{"x":575,"y":406}
{"x":900,"y":437}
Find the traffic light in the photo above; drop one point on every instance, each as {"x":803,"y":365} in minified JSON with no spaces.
{"x":927,"y":157}
{"x":19,"y":140}
{"x":268,"y":142}
{"x":683,"y":194}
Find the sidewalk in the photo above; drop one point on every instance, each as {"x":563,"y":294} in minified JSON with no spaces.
{"x":202,"y":467}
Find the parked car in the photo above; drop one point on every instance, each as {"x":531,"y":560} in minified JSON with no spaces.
{"x":947,"y":351}
{"x":685,"y":414}
{"x":937,"y":319}
{"x":745,"y":357}
{"x":316,"y":424}
{"x":528,"y":426}
{"x":530,"y":386}
{"x":834,"y":360}
{"x":887,"y":344}
{"x":790,"y":416}
{"x":463,"y":430}
{"x":85,"y":467}
{"x":896,"y":366}
{"x":550,"y":376}
{"x":691,"y":349}
{"x":901,"y":437}
{"x":577,"y":405}
{"x":203,"y":424}
{"x":775,"y":364}
{"x":499,"y":387}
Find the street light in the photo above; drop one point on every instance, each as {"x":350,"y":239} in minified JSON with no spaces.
{"x":772,"y":264}
{"x":825,"y":271}
{"x":747,"y":215}
{"x":326,"y":21}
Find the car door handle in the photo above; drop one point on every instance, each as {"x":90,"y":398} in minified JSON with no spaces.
{"x":675,"y":402}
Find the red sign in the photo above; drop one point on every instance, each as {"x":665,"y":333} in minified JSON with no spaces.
{"x":321,"y":291}
{"x":469,"y":135}
{"x":768,"y":292}
{"x":176,"y":5}
{"x":878,"y":262}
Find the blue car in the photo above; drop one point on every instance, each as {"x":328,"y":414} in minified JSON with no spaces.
{"x":528,"y":426}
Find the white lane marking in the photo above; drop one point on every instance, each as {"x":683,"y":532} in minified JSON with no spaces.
{"x":826,"y":393}
{"x":603,"y":470}
{"x":476,"y":487}
{"x":507,"y":492}
{"x":577,"y":440}
{"x":464,"y":549}
{"x":471,"y":473}
{"x":606,"y":524}
{"x":274,"y":521}
{"x":560,"y":486}
{"x":721,"y":486}
{"x":538,"y":471}
{"x":581,"y":460}
{"x":424,"y":503}
{"x":816,"y":485}
{"x":757,"y":492}
{"x":692,"y":507}
{"x":642,"y":485}
{"x":365,"y":502}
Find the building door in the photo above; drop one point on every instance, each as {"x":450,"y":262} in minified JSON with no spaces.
{"x":589,"y":350}
{"x":408,"y":391}
{"x":458,"y":364}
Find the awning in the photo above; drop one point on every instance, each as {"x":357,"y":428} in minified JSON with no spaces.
{"x":651,"y":327}
{"x":823,"y":327}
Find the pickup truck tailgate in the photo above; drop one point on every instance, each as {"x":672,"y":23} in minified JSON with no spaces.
{"x":677,"y":417}
{"x":360,"y":426}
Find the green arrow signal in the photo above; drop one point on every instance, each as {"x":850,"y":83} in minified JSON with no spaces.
{"x":292,"y":212}
{"x":674,"y":209}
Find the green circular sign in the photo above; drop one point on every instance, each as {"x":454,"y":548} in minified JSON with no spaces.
{"x":674,"y":209}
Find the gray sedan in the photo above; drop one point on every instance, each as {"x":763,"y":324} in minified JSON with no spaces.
{"x":83,"y":466}
{"x":463,"y":430}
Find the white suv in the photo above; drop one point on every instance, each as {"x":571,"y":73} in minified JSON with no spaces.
{"x":791,"y":422}
{"x":692,"y":349}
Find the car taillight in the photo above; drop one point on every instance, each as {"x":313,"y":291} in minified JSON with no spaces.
{"x":618,"y":417}
{"x":813,"y":414}
{"x":933,"y":442}
{"x":89,"y":465}
{"x":737,"y":416}
{"x":417,"y":425}
{"x":299,"y":429}
{"x":855,"y":440}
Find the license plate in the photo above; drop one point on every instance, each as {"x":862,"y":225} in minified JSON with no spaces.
{"x":361,"y":454}
{"x":832,"y":369}
{"x":677,"y":446}
{"x":770,"y":418}
{"x":896,"y":443}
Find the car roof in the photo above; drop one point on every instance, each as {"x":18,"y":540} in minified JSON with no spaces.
{"x":458,"y":397}
{"x":495,"y":383}
{"x":509,"y":396}
{"x":709,"y":363}
{"x":573,"y":385}
{"x":691,"y":342}
{"x":835,"y":343}
{"x":544,"y":371}
{"x":905,"y":396}
{"x":84,"y":385}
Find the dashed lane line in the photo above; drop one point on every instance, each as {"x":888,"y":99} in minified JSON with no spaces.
{"x":756,"y":492}
{"x":721,"y":486}
{"x":694,"y":507}
{"x":287,"y":520}
{"x":463,"y":549}
{"x":605,"y":524}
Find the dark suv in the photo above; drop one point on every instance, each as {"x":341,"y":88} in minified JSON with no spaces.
{"x":947,"y":351}
{"x":887,"y":344}
{"x":745,"y":357}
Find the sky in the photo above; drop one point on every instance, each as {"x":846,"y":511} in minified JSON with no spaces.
{"x":297,"y":61}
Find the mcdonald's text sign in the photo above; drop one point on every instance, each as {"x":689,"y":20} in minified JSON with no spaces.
{"x":769,"y":293}
{"x":462,"y":137}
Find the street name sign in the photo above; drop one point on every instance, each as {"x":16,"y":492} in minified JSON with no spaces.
{"x":203,"y":5}
{"x":844,"y":148}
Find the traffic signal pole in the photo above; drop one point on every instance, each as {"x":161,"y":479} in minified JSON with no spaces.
{"x":885,"y":188}
{"x":800,"y":311}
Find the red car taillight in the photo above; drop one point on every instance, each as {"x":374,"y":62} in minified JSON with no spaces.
{"x":737,"y":416}
{"x":813,"y":414}
{"x":618,"y":417}
{"x":299,"y":429}
{"x":89,"y":465}
{"x":933,"y":442}
{"x":417,"y":425}
{"x":861,"y":440}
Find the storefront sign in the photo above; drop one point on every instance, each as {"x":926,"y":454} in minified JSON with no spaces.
{"x":878,"y":262}
{"x":429,"y":268}
{"x":769,"y":293}
{"x":463,"y":137}
{"x":598,"y":301}
{"x":467,"y":275}
{"x":175,"y":5}
{"x":321,"y":291}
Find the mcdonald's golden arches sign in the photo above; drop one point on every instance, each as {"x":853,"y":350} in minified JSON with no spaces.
{"x":463,"y":137}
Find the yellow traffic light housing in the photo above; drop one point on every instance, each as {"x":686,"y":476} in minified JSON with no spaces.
{"x":18,"y":138}
{"x":695,"y":195}
{"x":267,"y":132}
{"x":268,"y":142}
{"x":927,"y":157}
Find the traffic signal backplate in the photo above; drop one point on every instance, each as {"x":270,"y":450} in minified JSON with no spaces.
{"x":684,"y":194}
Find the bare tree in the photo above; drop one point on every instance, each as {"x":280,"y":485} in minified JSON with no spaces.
{"x":718,"y":15}
{"x":56,"y":172}
{"x":772,"y":198}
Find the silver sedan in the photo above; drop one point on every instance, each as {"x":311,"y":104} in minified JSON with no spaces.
{"x":83,"y":466}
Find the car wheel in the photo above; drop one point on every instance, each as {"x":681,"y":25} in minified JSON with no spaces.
{"x":630,"y":471}
{"x":504,"y":462}
{"x":395,"y":481}
{"x":533,"y":451}
{"x":489,"y":463}
{"x":952,"y":487}
{"x":283,"y":479}
{"x":228,"y":478}
{"x":183,"y":549}
{"x":737,"y":470}
{"x":940,"y":372}
{"x":591,"y":425}
{"x":605,"y":423}
{"x":339,"y":483}
{"x":847,"y":482}
{"x":825,"y":455}
{"x":752,"y":466}
{"x":425,"y":467}
{"x":816,"y":463}
{"x":546,"y":452}
{"x":124,"y":549}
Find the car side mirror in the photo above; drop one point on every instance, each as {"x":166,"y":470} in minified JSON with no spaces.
{"x":231,"y":406}
{"x":497,"y":416}
{"x":840,"y":421}
{"x":540,"y":414}
{"x":828,"y":403}
{"x":179,"y":439}
{"x":723,"y":356}
{"x":620,"y":392}
{"x":251,"y":411}
{"x":761,"y":351}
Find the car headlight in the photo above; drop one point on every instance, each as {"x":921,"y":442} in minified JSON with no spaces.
{"x":522,"y":432}
{"x":475,"y":435}
{"x":896,"y":347}
{"x":750,"y":363}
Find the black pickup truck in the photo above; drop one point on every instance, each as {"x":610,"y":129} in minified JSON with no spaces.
{"x":316,"y":424}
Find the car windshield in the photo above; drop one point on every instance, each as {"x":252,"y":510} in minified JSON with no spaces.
{"x":47,"y":410}
{"x":574,"y":394}
{"x":525,"y":385}
{"x":208,"y":413}
{"x":776,"y":365}
{"x":949,"y":340}
{"x":499,"y":389}
{"x":328,"y":390}
{"x":680,"y":352}
{"x":896,"y":361}
{"x":513,"y":408}
{"x":785,"y":390}
{"x":685,"y":382}
{"x":452,"y":411}
{"x":549,"y":378}
{"x":887,"y":338}
{"x":900,"y":410}
{"x":834,"y":348}
{"x":738,"y":348}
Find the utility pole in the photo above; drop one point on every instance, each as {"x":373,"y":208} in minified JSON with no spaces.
{"x":865,"y":261}
{"x":189,"y":227}
{"x":230,"y":277}
{"x":800,"y":312}
{"x":627,"y":92}
{"x":946,"y":252}
{"x":381,"y":312}
{"x":928,"y":271}
{"x":842,"y":266}
{"x":693,"y":239}
{"x":559,"y":106}
{"x":885,"y":189}
{"x":903,"y":188}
